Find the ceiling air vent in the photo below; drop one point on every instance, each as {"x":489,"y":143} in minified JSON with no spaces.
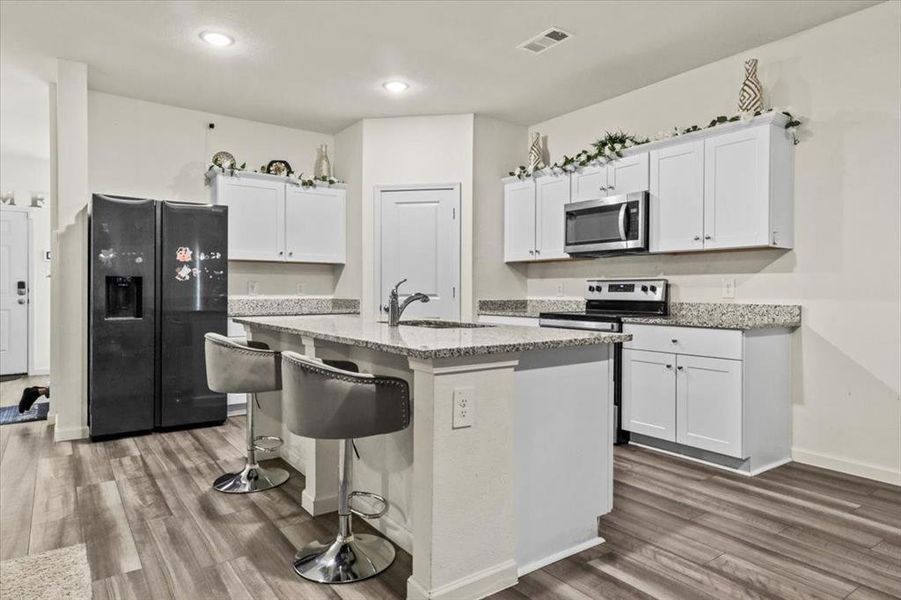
{"x":544,"y":40}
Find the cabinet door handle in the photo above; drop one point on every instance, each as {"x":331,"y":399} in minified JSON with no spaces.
{"x":697,"y":238}
{"x":669,"y":366}
{"x":280,"y":253}
{"x":290,"y":254}
{"x":707,"y":236}
{"x":603,"y":188}
{"x":531,"y":253}
{"x":611,"y":187}
{"x":675,"y":341}
{"x":680,"y":367}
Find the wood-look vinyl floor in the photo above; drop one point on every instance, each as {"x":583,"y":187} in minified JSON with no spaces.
{"x":154,"y":529}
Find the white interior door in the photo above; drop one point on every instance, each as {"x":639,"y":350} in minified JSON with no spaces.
{"x":419,"y":240}
{"x":13,"y":292}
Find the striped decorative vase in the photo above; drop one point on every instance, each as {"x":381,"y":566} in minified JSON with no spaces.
{"x":536,"y":160}
{"x":750,"y":99}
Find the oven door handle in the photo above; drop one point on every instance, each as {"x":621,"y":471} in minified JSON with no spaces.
{"x":622,"y":221}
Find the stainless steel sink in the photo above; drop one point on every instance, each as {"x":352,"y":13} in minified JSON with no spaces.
{"x":436,"y":324}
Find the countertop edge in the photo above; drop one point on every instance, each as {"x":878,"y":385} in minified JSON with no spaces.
{"x":499,"y":348}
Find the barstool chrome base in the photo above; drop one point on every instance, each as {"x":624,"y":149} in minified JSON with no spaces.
{"x":344,"y":560}
{"x":251,"y":479}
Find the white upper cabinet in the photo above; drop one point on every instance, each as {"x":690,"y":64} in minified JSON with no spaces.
{"x":628,"y":174}
{"x":534,"y":218}
{"x":519,"y":221}
{"x":736,"y":189}
{"x":589,"y":183}
{"x":725,"y":191}
{"x":677,"y":198}
{"x":315,"y":225}
{"x":270,"y":219}
{"x":552,"y":195}
{"x":622,"y":176}
{"x":256,"y":217}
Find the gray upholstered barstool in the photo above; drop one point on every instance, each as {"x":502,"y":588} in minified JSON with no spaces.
{"x":236,"y":368}
{"x":324,"y":401}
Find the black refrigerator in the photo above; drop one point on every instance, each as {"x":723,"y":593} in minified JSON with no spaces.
{"x":158,"y":281}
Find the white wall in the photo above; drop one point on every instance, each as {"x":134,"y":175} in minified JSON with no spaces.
{"x":842,"y":78}
{"x":143,"y":149}
{"x":349,"y":162}
{"x":26,"y":175}
{"x":497,"y":146}
{"x":415,"y":150}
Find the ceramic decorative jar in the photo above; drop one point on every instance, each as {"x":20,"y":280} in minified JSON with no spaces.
{"x":750,"y":99}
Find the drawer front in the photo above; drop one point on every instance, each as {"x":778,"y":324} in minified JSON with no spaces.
{"x":717,"y":343}
{"x":501,"y":320}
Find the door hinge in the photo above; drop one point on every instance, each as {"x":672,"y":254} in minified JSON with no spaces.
{"x":454,"y":213}
{"x":454,"y":291}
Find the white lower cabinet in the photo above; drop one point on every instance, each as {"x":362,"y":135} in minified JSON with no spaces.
{"x":718,"y":391}
{"x":649,"y":381}
{"x":708,"y":404}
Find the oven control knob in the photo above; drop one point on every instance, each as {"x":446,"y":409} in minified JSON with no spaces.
{"x":653,"y":289}
{"x":644,"y":289}
{"x":590,"y":288}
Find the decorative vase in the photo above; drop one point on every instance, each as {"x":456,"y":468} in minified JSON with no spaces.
{"x":750,"y":99}
{"x":536,"y":156}
{"x":323,"y":167}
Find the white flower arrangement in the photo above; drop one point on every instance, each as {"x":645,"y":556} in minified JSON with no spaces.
{"x":610,"y":147}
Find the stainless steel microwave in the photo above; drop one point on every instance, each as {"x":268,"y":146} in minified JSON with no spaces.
{"x":611,"y":225}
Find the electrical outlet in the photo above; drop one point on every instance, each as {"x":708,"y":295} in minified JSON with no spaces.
{"x":561,"y":289}
{"x":253,"y":288}
{"x":729,"y":287}
{"x":464,"y":408}
{"x":300,"y":288}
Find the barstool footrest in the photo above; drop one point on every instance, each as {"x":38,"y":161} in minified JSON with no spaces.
{"x":267,"y":438}
{"x":375,"y":515}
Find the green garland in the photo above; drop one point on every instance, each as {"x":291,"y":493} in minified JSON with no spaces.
{"x":611,"y":146}
{"x":306,"y":183}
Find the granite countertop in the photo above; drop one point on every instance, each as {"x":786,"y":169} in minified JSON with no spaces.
{"x":530,"y":307}
{"x":426,"y":343}
{"x":713,"y":315}
{"x":716,"y":315}
{"x":260,"y":305}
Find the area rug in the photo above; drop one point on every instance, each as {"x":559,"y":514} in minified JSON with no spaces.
{"x":10,"y":414}
{"x":62,"y":574}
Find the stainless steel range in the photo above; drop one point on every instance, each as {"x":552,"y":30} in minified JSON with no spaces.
{"x":607,"y":301}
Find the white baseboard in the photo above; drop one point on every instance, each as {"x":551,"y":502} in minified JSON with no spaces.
{"x":472,"y":587}
{"x":71,"y":433}
{"x":843,"y":465}
{"x":318,"y":506}
{"x":538,"y":564}
{"x":769,"y":466}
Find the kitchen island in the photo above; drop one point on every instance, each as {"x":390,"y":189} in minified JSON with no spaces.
{"x":482,"y":498}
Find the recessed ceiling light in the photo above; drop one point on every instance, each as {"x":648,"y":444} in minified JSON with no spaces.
{"x":214,"y":38}
{"x":396,"y":87}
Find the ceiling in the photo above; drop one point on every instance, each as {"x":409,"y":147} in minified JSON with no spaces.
{"x":320,"y":65}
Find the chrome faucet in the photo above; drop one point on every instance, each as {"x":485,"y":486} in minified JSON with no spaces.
{"x":395,"y":308}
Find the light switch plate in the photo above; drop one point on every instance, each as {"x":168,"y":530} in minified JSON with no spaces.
{"x":729,"y":287}
{"x":253,"y":288}
{"x":561,"y":289}
{"x":464,"y":408}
